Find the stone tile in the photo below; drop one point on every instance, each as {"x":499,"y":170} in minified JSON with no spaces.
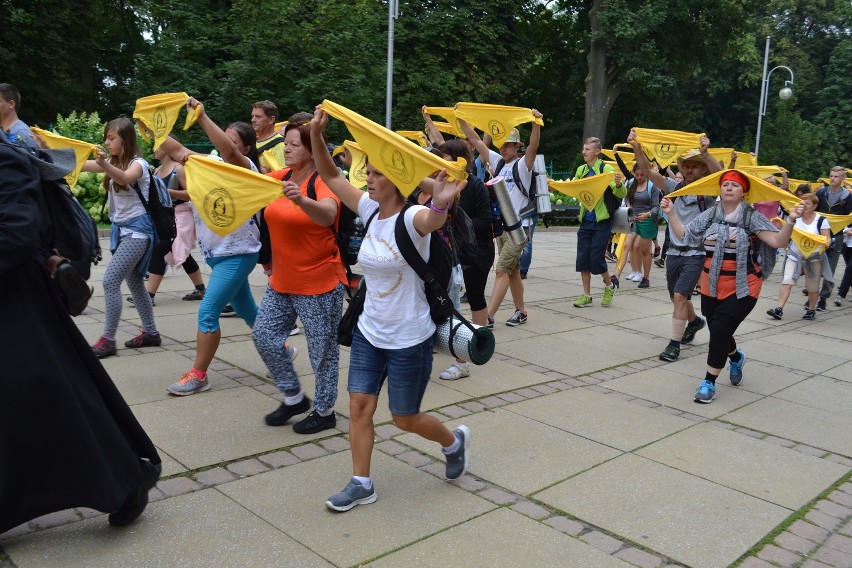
{"x":639,"y":557}
{"x":495,"y":377}
{"x":55,"y":519}
{"x":769,"y":350}
{"x":602,"y":418}
{"x":830,"y":556}
{"x":531,"y":442}
{"x":498,"y":496}
{"x":308,"y":451}
{"x":335,"y":444}
{"x":492,"y":540}
{"x":820,"y":519}
{"x":779,"y":556}
{"x":672,"y":511}
{"x":833,"y":509}
{"x":602,"y":541}
{"x":755,"y":562}
{"x":828,"y":395}
{"x":531,"y":510}
{"x":279,"y":459}
{"x":232,"y":426}
{"x":247,"y":467}
{"x":840,"y":542}
{"x":195,"y":521}
{"x":794,"y":543}
{"x":291,"y":500}
{"x":797,"y":422}
{"x":568,"y":526}
{"x":808,"y":531}
{"x":668,"y":388}
{"x":177,"y":486}
{"x":841,"y":498}
{"x":214,"y":476}
{"x":415,"y":459}
{"x":766,"y":471}
{"x":842,"y":372}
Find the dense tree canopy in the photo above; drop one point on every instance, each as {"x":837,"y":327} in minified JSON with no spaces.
{"x":593,"y":67}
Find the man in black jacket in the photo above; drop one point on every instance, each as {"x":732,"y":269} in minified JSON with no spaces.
{"x":835,"y":200}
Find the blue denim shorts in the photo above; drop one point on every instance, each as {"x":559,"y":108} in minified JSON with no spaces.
{"x":407,"y":370}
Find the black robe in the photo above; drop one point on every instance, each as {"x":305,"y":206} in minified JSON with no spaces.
{"x":67,"y":437}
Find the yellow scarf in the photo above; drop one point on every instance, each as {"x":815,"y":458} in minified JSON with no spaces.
{"x":665,"y":146}
{"x":587,"y":190}
{"x":452,"y":124}
{"x":403,"y":162}
{"x":837,"y":222}
{"x":160,"y":112}
{"x":224,"y":195}
{"x":759,"y":190}
{"x":415,"y":135}
{"x":496,"y":120}
{"x":620,"y":254}
{"x":82,"y":150}
{"x":808,"y":243}
{"x":759,"y":171}
{"x":358,"y":169}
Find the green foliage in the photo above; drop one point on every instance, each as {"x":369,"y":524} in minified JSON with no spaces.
{"x":83,"y":126}
{"x":90,"y":192}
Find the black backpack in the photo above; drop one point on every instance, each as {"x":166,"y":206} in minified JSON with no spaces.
{"x":163,"y":216}
{"x":531,"y":210}
{"x":436,"y":273}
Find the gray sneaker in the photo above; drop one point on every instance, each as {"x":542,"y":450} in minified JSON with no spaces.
{"x":457,"y":461}
{"x":352,"y":495}
{"x":189,"y":384}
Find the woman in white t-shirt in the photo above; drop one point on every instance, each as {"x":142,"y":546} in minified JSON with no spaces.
{"x":796,"y":264}
{"x":393,"y":337}
{"x":132,"y":236}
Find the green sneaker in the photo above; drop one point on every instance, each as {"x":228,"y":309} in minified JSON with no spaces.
{"x":609,"y":292}
{"x":583,"y":301}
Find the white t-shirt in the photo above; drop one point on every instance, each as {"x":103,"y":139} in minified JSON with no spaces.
{"x":396,"y":313}
{"x":124,"y":204}
{"x":808,"y":228}
{"x":245,"y":239}
{"x":519,"y":198}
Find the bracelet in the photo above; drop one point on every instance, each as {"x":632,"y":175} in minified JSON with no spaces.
{"x":436,"y":210}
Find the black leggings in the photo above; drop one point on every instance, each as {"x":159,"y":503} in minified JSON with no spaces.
{"x":723,"y":319}
{"x":158,"y":260}
{"x":475,"y":278}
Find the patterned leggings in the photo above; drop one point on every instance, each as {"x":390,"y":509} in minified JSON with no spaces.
{"x":320,"y":315}
{"x":122,"y":267}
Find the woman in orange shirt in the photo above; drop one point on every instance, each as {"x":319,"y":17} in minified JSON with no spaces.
{"x":307,"y":281}
{"x":732,"y":279}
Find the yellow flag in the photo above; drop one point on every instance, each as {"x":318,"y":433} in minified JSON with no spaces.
{"x":160,"y":112}
{"x":808,"y":243}
{"x":403,"y":162}
{"x":224,"y":195}
{"x":358,"y":169}
{"x":269,"y":160}
{"x":665,"y":146}
{"x":620,"y":253}
{"x":847,"y":183}
{"x":452,"y":124}
{"x":759,"y":190}
{"x":627,"y":163}
{"x":760,"y":171}
{"x":837,"y":222}
{"x":496,"y":120}
{"x":588,"y":190}
{"x":624,"y":154}
{"x":82,"y":150}
{"x":415,"y":135}
{"x":278,"y":125}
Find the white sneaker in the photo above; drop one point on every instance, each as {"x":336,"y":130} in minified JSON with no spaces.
{"x":296,"y":331}
{"x":838,"y":301}
{"x":637,"y":277}
{"x":455,"y":372}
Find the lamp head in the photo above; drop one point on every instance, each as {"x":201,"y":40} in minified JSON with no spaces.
{"x":786,"y":92}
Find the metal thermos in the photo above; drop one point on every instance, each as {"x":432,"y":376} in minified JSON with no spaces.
{"x":510,"y":216}
{"x":623,"y":221}
{"x":542,"y":192}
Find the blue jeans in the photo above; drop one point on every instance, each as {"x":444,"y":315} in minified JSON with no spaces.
{"x":526,"y":256}
{"x":407,"y":370}
{"x":228,"y":283}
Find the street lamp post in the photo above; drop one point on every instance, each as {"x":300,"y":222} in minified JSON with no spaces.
{"x":784,"y":93}
{"x":393,"y":14}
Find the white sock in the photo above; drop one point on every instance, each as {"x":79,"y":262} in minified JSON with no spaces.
{"x":328,"y":412}
{"x":295,"y":399}
{"x":366,"y":482}
{"x":454,"y":447}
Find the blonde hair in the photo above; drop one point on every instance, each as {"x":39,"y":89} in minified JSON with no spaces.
{"x":594,"y":141}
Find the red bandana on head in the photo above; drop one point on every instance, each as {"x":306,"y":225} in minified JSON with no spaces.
{"x":737,"y":177}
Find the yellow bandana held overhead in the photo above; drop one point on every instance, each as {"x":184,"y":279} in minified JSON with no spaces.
{"x":759,"y":171}
{"x":452,"y":124}
{"x":588,"y":190}
{"x":279,"y":125}
{"x":837,"y":222}
{"x":403,"y":162}
{"x":759,"y":190}
{"x":665,"y":146}
{"x":160,"y":112}
{"x":496,"y":120}
{"x":626,"y":153}
{"x":224,"y":195}
{"x":809,"y":243}
{"x":415,"y":135}
{"x":82,"y":150}
{"x":358,"y":169}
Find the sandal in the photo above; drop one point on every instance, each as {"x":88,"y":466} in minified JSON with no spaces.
{"x":455,"y":372}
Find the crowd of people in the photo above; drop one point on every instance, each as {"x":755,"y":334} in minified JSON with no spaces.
{"x":713,"y":248}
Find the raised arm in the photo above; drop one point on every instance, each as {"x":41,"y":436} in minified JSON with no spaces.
{"x":227,"y":149}
{"x":432,"y":133}
{"x":443,"y":195}
{"x":644,"y":163}
{"x":477,"y":142}
{"x":535,"y":138}
{"x":713,"y":165}
{"x":348,"y":194}
{"x":780,"y":238}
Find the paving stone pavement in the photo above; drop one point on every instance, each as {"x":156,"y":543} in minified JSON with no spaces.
{"x":587,"y":450}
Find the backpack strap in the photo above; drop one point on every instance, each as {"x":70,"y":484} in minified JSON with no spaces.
{"x":271,"y":144}
{"x":135,"y":186}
